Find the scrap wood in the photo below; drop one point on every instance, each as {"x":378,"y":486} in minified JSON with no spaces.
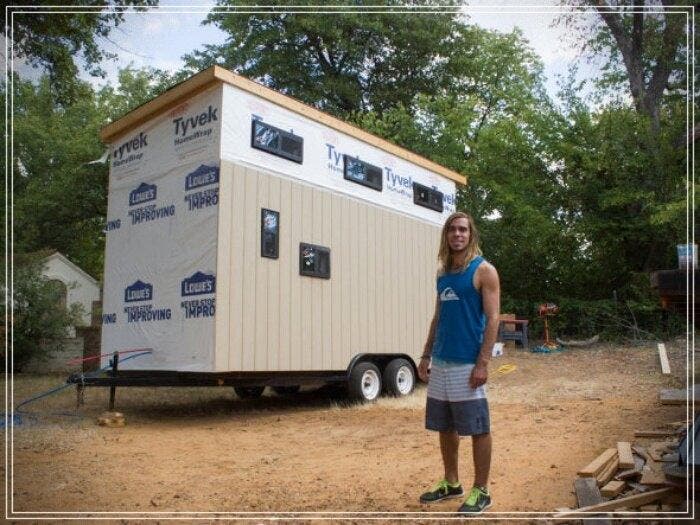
{"x":630,"y":501}
{"x":663,"y":357}
{"x":607,"y":473}
{"x":654,"y":433}
{"x":678,"y":396}
{"x":632,"y":473}
{"x":587,"y":492}
{"x":659,"y":448}
{"x":624,"y":453}
{"x":641,"y":451}
{"x":652,"y":474}
{"x":612,"y":489}
{"x":596,"y":466}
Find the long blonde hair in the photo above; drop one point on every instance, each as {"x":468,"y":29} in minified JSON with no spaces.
{"x":445,"y":256}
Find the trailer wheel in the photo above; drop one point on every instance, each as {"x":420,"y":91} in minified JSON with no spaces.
{"x":249,"y":392}
{"x":286,"y":390}
{"x":365,"y":383}
{"x":399,"y":378}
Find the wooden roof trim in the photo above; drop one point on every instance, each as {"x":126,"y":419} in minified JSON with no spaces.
{"x":171,"y":98}
{"x":204,"y":79}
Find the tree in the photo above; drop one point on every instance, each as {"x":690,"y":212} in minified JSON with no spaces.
{"x":52,"y":40}
{"x":39,"y":320}
{"x":650,"y":44}
{"x":339,"y":62}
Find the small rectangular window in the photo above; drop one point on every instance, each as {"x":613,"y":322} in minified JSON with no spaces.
{"x":427,"y":197}
{"x":314,"y":261}
{"x":270,"y":233}
{"x":277,"y":141}
{"x":362,"y":173}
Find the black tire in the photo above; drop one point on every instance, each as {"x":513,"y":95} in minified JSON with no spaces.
{"x":365,"y":383}
{"x":286,"y":390}
{"x":249,"y":392}
{"x":399,"y":378}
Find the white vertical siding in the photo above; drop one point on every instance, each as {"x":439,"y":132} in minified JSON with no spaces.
{"x":269,"y":318}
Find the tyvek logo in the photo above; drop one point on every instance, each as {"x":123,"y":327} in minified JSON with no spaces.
{"x":144,"y":193}
{"x":198,"y":284}
{"x":448,"y":294}
{"x":202,"y":176}
{"x":139,"y":291}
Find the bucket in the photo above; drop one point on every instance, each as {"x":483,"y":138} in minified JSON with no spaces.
{"x":687,"y":256}
{"x":497,"y":350}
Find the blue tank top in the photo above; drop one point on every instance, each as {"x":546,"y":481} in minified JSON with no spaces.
{"x":461,"y":321}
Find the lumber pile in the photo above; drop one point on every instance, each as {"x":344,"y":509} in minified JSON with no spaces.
{"x":630,"y":477}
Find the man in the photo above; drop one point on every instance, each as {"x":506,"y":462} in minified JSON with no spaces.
{"x":458,"y":349}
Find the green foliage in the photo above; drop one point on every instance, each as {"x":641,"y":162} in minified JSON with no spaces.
{"x":39,"y":320}
{"x":339,"y":62}
{"x":51,"y":39}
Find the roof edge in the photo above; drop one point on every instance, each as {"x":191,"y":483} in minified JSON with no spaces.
{"x":206,"y":78}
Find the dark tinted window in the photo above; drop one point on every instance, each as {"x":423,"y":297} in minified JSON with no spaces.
{"x":314,"y":261}
{"x":362,"y":173}
{"x":277,"y":141}
{"x":427,"y":197}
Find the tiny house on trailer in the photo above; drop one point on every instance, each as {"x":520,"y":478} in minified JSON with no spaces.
{"x":255,"y":241}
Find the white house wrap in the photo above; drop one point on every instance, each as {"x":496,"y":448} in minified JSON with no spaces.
{"x":249,"y":232}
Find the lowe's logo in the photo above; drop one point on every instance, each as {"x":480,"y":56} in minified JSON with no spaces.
{"x":144,"y":193}
{"x":199,"y":284}
{"x":139,"y":291}
{"x":202,"y":176}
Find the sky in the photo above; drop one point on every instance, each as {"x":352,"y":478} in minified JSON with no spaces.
{"x":160,"y":37}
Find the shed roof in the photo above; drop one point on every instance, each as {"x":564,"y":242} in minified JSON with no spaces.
{"x":215,"y":74}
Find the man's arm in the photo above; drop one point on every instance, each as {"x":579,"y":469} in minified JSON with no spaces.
{"x":428,"y":348}
{"x":487,"y":278}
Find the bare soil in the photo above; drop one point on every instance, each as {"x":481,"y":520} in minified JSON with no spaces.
{"x":202,"y":450}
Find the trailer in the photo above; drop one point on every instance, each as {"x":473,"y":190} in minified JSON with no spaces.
{"x":253,"y":241}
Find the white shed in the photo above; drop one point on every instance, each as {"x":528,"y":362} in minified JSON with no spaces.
{"x":248,"y":233}
{"x":79,"y":286}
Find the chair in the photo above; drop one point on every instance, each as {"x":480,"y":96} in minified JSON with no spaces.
{"x":518,"y":332}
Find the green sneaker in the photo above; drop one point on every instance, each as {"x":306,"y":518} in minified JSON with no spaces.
{"x":442,"y":490}
{"x":478,"y":501}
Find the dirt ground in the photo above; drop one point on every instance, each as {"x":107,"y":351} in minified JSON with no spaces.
{"x":201,"y":450}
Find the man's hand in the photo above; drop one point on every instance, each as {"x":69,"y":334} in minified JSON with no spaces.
{"x":423,"y":369}
{"x":479,"y":375}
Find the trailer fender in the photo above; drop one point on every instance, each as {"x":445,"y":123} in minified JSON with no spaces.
{"x":380,"y":360}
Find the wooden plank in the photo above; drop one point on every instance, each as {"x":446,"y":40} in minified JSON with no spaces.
{"x":608,"y":472}
{"x":612,"y":489}
{"x":663,"y":357}
{"x":624,"y":454}
{"x":587,"y":492}
{"x":669,"y":396}
{"x":632,"y":473}
{"x":596,"y":466}
{"x":653,"y":433}
{"x":652,"y":474}
{"x":642,"y":452}
{"x":657,"y":449}
{"x":632,"y":502}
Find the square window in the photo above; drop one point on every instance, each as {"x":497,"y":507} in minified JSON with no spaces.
{"x":314,"y":261}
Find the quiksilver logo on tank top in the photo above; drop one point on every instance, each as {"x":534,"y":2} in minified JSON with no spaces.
{"x":448,"y":294}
